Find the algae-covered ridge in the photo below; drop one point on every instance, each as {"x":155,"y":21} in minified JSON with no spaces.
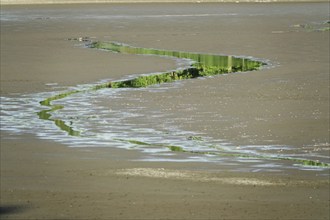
{"x":46,"y":114}
{"x":202,"y":65}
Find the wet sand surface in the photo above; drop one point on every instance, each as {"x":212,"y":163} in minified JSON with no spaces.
{"x":285,"y":104}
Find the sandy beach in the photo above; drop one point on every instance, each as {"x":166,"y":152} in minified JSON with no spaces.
{"x":46,"y":175}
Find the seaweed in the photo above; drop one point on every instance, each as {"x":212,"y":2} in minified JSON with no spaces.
{"x":176,"y":148}
{"x":46,"y":114}
{"x":203,"y":65}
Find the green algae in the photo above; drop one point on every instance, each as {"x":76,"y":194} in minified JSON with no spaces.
{"x":306,"y":162}
{"x":195,"y":138}
{"x":203,"y":65}
{"x":207,"y":64}
{"x":47,"y":102}
{"x":303,"y":162}
{"x":220,"y":152}
{"x":46,"y":114}
{"x":144,"y":81}
{"x":176,"y":148}
{"x":133,"y":141}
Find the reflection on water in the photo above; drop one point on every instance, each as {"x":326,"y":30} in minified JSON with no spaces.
{"x":202,"y":65}
{"x":206,"y":64}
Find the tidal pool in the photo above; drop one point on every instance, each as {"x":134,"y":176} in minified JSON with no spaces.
{"x":78,"y":117}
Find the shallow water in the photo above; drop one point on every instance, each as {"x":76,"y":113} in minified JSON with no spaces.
{"x":132,"y":121}
{"x":145,"y":118}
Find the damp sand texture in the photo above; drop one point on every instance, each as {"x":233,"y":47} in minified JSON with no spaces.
{"x":286,"y":105}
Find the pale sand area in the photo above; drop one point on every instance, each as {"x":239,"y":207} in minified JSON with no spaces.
{"x":45,"y":180}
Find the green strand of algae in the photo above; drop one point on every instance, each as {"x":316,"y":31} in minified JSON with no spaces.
{"x":205,"y":65}
{"x":174,"y":148}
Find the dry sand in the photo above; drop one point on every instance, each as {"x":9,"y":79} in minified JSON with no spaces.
{"x":44,"y":180}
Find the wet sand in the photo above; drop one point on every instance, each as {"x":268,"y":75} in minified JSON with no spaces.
{"x":287,"y":104}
